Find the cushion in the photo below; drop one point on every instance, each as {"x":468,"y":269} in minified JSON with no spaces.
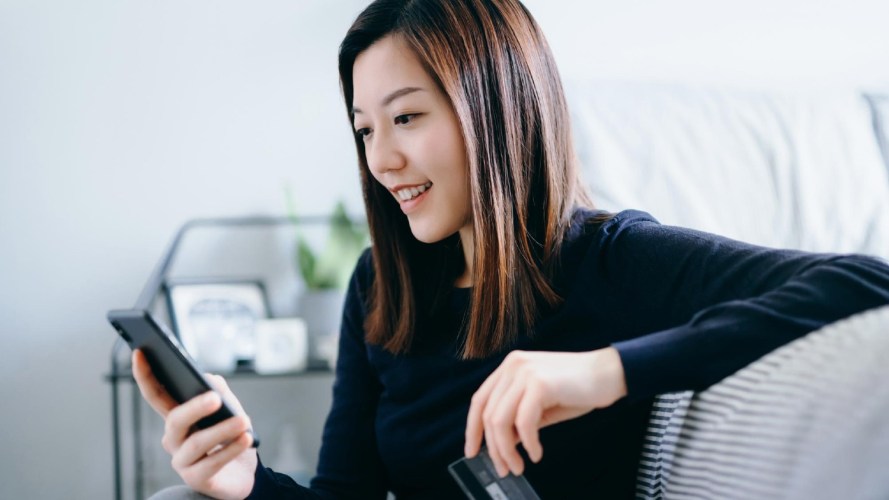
{"x":782,"y":170}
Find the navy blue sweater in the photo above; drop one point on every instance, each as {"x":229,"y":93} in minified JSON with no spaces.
{"x":683,"y":308}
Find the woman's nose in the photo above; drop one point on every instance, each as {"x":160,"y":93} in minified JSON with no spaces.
{"x":383,"y":155}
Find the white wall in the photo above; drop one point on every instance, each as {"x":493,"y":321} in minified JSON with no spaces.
{"x":755,"y":43}
{"x":119,"y":120}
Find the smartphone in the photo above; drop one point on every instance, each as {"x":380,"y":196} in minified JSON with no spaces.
{"x":170,"y":362}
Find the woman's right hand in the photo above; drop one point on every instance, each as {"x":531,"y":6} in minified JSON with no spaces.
{"x":199,"y":456}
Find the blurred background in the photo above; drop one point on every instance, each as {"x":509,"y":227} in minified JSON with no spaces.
{"x":120,"y":120}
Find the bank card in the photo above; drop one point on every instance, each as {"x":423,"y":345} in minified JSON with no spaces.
{"x":479,"y":480}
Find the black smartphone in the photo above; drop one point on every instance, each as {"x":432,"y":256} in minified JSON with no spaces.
{"x":169,"y":361}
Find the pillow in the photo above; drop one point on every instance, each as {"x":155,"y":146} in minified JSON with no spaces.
{"x":782,"y":170}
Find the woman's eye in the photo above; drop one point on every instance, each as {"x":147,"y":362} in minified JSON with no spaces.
{"x":362,"y":133}
{"x":404,"y":119}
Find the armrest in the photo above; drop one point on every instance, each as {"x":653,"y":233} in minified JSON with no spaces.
{"x":808,"y":420}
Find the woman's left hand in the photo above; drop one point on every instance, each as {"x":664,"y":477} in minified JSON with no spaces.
{"x":531,"y":390}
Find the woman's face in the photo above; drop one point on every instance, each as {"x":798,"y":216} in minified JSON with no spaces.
{"x":412,"y":139}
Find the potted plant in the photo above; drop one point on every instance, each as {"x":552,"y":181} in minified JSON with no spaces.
{"x":326,"y":275}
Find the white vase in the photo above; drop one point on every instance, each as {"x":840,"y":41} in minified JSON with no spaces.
{"x":322,"y":311}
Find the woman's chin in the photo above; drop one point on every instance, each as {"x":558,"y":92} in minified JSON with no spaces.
{"x":427,"y":234}
{"x":424,"y":238}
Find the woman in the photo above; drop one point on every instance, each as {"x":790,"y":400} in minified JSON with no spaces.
{"x":495,"y":301}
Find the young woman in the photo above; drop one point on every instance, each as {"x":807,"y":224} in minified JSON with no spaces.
{"x":495,"y":301}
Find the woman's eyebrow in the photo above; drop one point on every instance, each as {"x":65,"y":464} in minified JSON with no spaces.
{"x":392,"y":96}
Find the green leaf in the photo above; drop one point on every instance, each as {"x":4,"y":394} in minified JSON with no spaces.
{"x":306,"y":261}
{"x":332,"y":268}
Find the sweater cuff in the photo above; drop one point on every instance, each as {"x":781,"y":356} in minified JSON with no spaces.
{"x":653,"y":365}
{"x":265,"y":482}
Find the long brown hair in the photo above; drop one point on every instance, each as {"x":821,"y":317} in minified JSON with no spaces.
{"x":492,"y":61}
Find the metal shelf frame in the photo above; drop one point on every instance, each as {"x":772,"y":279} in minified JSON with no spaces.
{"x":121,"y":372}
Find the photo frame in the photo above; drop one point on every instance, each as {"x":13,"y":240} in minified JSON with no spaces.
{"x":215,"y":319}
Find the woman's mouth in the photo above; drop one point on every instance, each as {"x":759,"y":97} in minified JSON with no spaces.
{"x":409,"y":198}
{"x":409,"y":193}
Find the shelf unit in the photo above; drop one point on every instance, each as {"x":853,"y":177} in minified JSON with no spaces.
{"x":120,"y":372}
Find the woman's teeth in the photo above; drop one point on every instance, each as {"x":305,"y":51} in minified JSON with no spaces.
{"x":412,"y":192}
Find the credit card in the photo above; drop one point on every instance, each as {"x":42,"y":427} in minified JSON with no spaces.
{"x":478,"y":478}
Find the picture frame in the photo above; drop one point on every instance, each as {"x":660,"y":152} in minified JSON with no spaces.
{"x":215,"y":319}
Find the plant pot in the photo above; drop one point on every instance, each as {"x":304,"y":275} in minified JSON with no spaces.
{"x":322,"y":311}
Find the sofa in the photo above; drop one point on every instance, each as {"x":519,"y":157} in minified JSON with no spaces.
{"x":804,"y":170}
{"x":796,"y":170}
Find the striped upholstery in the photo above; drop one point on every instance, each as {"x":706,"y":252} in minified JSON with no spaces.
{"x":667,"y":416}
{"x":809,"y":420}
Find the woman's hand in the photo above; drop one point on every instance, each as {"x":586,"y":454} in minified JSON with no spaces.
{"x":217,"y":461}
{"x":531,"y":390}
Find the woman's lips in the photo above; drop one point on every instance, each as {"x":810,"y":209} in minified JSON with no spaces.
{"x":410,"y":205}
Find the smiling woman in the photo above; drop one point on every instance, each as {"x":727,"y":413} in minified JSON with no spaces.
{"x":468,"y":95}
{"x":495,"y":302}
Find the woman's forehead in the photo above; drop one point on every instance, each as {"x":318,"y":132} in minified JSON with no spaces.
{"x":386,"y":66}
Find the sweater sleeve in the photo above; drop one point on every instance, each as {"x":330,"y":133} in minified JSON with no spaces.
{"x":727,"y":303}
{"x":349,"y":465}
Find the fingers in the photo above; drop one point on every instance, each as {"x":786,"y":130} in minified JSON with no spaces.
{"x":500,"y":424}
{"x":474,"y":423}
{"x":492,"y":415}
{"x":212,"y":464}
{"x":209,"y":460}
{"x":204,"y":442}
{"x":528,"y":421}
{"x":509,"y":408}
{"x":181,"y":419}
{"x":152,"y":390}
